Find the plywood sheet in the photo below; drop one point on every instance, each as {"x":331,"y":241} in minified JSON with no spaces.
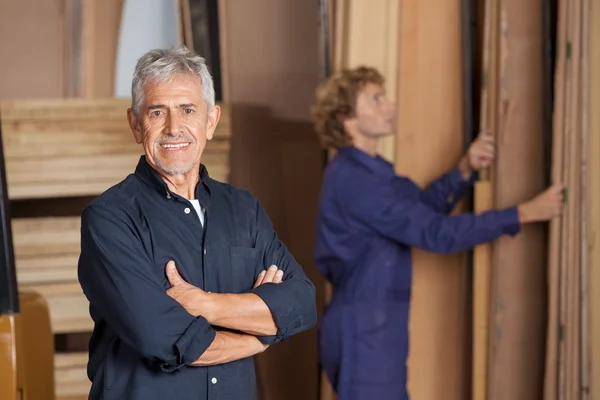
{"x":593,"y":193}
{"x":71,"y":376}
{"x":46,"y":249}
{"x":32,"y":49}
{"x":371,"y":32}
{"x":430,"y":142}
{"x":518,"y":280}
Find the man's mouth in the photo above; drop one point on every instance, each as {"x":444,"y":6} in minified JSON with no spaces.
{"x":174,"y":146}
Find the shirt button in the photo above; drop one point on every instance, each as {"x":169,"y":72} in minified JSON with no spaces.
{"x":187,"y":210}
{"x":204,"y":251}
{"x":214,"y":380}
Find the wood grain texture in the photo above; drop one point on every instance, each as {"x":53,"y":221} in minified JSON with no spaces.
{"x":429,"y":143}
{"x":484,"y":201}
{"x":593,"y":193}
{"x":519,"y":264}
{"x":70,"y":376}
{"x":554,"y":255}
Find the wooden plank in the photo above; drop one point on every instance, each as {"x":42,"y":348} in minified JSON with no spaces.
{"x":70,"y":376}
{"x":46,"y":249}
{"x":573,"y":266}
{"x":518,"y":293}
{"x":593,"y":193}
{"x":484,"y":201}
{"x":554,"y":258}
{"x":429,"y":143}
{"x":372,"y":29}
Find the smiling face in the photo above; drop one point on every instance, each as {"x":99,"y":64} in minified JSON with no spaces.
{"x":174,"y":124}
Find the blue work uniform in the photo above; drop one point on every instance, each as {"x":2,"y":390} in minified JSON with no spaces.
{"x":369,"y":218}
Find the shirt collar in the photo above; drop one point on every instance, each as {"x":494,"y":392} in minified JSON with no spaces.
{"x":375,"y":164}
{"x":149,"y":176}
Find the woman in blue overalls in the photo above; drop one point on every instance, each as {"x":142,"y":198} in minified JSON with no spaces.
{"x":368,"y":220}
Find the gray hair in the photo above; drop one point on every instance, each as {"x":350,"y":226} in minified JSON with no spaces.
{"x":160,"y":65}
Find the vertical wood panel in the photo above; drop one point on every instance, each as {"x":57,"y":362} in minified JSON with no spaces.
{"x":519,"y":284}
{"x":429,"y":143}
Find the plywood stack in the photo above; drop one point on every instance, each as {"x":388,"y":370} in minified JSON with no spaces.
{"x":572,"y":360}
{"x":59,"y":149}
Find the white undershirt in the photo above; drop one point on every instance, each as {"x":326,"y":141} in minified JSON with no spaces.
{"x":199,"y":210}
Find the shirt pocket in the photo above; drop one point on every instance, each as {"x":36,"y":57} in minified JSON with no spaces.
{"x":245,"y":267}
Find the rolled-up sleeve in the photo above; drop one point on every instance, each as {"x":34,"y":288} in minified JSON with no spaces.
{"x":444,"y":193}
{"x":378,"y":206}
{"x":291,"y":302}
{"x":119,"y":280}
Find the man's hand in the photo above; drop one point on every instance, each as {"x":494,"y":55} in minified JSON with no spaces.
{"x":480,"y":155}
{"x":273,"y":274}
{"x":544,"y":206}
{"x":189,"y":296}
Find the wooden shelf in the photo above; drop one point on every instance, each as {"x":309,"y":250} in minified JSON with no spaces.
{"x":70,"y":376}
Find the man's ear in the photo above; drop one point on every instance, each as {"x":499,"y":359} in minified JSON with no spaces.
{"x":134,"y":125}
{"x":349,"y":124}
{"x":213,"y":119}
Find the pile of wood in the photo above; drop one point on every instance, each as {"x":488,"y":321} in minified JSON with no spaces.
{"x":573,"y":347}
{"x":59,"y":154}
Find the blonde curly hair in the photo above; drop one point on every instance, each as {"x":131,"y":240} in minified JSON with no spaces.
{"x":336,"y":101}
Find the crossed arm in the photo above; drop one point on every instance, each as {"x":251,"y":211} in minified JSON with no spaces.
{"x":245,"y":312}
{"x":114,"y":275}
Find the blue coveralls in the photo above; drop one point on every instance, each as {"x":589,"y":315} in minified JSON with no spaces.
{"x":368,"y":220}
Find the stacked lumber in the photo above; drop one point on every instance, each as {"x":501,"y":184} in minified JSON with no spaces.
{"x":572,"y":356}
{"x":70,"y":148}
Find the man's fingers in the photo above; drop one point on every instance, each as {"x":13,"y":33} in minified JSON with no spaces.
{"x":260,"y":279}
{"x":270,"y":274}
{"x":278,"y":276}
{"x":173,"y":275}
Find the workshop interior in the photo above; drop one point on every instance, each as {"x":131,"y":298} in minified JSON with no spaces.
{"x":518,"y":318}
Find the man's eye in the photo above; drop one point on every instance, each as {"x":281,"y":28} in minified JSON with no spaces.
{"x":156,"y":113}
{"x":188,"y":111}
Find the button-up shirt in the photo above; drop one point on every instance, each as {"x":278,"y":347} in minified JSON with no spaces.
{"x":143,"y":340}
{"x":369,"y":218}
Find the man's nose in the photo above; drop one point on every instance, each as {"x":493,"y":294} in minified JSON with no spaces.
{"x":173,"y":125}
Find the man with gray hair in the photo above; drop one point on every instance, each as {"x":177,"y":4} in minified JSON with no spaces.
{"x":186,"y":277}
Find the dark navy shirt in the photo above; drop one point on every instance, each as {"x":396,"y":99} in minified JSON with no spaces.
{"x":369,"y":220}
{"x":143,"y":339}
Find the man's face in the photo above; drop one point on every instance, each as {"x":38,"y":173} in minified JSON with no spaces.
{"x":375,"y":113}
{"x":174,"y":124}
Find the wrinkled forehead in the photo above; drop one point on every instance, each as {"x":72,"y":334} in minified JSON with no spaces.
{"x":177,"y":88}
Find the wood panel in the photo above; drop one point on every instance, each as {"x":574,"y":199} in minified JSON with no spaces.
{"x":46,"y":249}
{"x":484,"y":201}
{"x":593,"y":193}
{"x":77,"y":147}
{"x":519,"y":264}
{"x":429,"y":143}
{"x":70,"y":376}
{"x":33,"y":51}
{"x":370,"y":37}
